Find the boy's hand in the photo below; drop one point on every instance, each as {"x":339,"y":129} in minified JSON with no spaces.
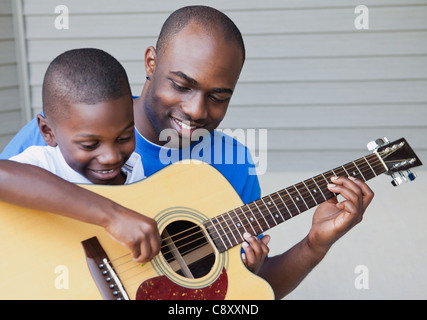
{"x":136,"y":232}
{"x":255,"y":251}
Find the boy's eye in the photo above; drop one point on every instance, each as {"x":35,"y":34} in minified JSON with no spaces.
{"x":124,"y":139}
{"x":89,"y":146}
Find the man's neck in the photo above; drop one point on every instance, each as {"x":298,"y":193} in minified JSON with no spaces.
{"x":142,"y":123}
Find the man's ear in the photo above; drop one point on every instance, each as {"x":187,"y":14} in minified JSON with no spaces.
{"x":46,"y":131}
{"x":150,"y":61}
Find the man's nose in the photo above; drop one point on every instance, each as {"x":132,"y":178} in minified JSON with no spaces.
{"x":196,"y":107}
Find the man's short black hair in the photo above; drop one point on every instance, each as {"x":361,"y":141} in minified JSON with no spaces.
{"x":87,"y":76}
{"x":211,"y":20}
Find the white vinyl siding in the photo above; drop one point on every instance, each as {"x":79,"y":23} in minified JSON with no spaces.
{"x":320,"y":87}
{"x":10,"y":107}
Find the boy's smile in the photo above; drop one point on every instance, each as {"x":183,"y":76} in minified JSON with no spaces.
{"x":96,"y":140}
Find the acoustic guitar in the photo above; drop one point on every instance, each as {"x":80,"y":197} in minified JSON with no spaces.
{"x":201,"y":219}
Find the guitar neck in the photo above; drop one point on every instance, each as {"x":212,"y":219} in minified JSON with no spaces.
{"x":227,"y":229}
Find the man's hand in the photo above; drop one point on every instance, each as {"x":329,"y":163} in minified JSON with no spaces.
{"x":255,"y":251}
{"x":333,"y":219}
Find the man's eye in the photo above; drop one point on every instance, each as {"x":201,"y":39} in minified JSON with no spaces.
{"x":178,"y":87}
{"x":218,"y":100}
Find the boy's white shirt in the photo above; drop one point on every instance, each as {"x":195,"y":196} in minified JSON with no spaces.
{"x":52,"y":160}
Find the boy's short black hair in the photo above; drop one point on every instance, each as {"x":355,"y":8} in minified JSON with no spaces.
{"x":211,"y":20}
{"x":87,"y":76}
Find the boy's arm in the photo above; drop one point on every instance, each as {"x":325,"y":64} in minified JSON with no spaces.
{"x":53,"y":194}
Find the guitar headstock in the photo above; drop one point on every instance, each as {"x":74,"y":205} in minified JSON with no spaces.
{"x":399,"y":158}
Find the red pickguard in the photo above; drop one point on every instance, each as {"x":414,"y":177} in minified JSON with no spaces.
{"x":161,"y":288}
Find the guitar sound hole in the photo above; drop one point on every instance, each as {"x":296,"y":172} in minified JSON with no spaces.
{"x":187,"y":250}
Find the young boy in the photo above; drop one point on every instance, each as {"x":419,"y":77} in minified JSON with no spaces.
{"x":88,"y":126}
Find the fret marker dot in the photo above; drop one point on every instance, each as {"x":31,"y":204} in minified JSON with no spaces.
{"x":354,"y":173}
{"x":314,"y":190}
{"x":252,"y":219}
{"x":269,"y":203}
{"x":297,"y":198}
{"x":238,"y":224}
{"x":276,"y":215}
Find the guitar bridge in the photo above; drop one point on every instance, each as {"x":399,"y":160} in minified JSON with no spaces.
{"x":106,"y":279}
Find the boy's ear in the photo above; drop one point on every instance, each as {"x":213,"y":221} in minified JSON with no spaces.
{"x":46,"y":131}
{"x":150,"y":60}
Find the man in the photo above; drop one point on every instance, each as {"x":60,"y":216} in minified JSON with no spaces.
{"x":191,"y":76}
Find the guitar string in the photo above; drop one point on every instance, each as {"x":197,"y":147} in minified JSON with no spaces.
{"x":199,"y":257}
{"x":377,"y":161}
{"x":127,"y":279}
{"x":199,"y":231}
{"x":194,"y":248}
{"x":267,"y":213}
{"x":292,"y":193}
{"x":245,"y":221}
{"x":261,"y":212}
{"x":172,"y":250}
{"x":244,"y":214}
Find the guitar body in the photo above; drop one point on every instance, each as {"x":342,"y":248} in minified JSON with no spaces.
{"x":43,"y":257}
{"x":201,"y":220}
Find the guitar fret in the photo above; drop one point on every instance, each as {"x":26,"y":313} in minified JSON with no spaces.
{"x":218,"y":236}
{"x":301,"y":197}
{"x":248,"y":219}
{"x":237,"y":229}
{"x":264,"y":217}
{"x":308,"y":189}
{"x":232,"y":231}
{"x":290,"y":214}
{"x":340,"y":172}
{"x":379,"y":165}
{"x":328,"y":180}
{"x":269,"y":211}
{"x":352,"y":169}
{"x":278,"y":214}
{"x":295,"y":205}
{"x":225,"y":233}
{"x":322,"y":183}
{"x":240,"y":224}
{"x":333,"y":172}
{"x":345,"y":171}
{"x":370,"y":166}
{"x":320,"y":189}
{"x":359,"y":171}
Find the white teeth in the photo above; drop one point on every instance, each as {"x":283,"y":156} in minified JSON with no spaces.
{"x":185,"y":126}
{"x":106,"y":171}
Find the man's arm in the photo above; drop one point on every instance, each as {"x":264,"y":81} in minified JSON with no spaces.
{"x":330,"y":222}
{"x":53,"y":194}
{"x":28,"y":136}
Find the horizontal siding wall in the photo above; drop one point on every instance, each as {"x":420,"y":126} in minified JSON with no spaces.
{"x":10,"y":107}
{"x":322,"y":88}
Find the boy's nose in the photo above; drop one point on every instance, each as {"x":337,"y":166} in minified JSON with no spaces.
{"x":110,"y":156}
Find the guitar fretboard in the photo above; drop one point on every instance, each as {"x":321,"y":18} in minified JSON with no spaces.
{"x":227,"y":229}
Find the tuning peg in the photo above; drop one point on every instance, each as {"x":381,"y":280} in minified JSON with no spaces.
{"x":374,"y":145}
{"x":397,"y":180}
{"x":411,"y":175}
